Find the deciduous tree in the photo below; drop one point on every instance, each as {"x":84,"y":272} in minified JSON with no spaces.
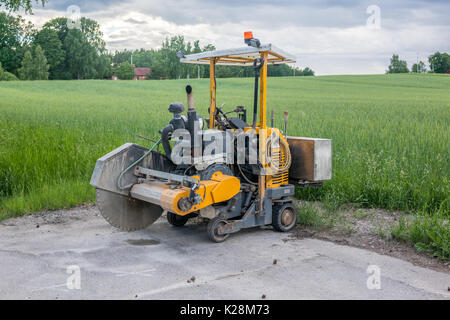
{"x":49,"y":41}
{"x":80,"y":55}
{"x":26,"y":72}
{"x":16,"y":5}
{"x":439,"y":62}
{"x":40,"y":64}
{"x":15,"y":36}
{"x":125,"y":71}
{"x":419,"y":67}
{"x":397,"y":65}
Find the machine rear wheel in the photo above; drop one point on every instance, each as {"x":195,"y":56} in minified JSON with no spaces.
{"x":176,"y":220}
{"x":284,"y":217}
{"x":213,"y":227}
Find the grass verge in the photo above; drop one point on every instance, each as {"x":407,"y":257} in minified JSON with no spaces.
{"x":427,"y":232}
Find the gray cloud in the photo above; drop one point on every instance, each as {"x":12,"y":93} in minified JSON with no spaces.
{"x":328,"y":35}
{"x":133,"y":21}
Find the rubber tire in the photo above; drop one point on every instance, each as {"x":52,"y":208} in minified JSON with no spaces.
{"x":176,"y":220}
{"x":212,"y":227}
{"x":277,"y":212}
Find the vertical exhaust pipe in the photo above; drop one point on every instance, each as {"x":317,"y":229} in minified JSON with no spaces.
{"x":190,"y":98}
{"x":193,"y":125}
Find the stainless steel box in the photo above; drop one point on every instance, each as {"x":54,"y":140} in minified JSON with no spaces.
{"x":311,"y":159}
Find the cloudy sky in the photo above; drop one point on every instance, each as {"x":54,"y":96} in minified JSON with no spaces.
{"x":331,"y":37}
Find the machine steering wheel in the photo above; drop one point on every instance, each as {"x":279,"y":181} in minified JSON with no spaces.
{"x":222,"y":118}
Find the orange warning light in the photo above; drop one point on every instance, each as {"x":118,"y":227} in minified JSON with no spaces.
{"x":248,"y":35}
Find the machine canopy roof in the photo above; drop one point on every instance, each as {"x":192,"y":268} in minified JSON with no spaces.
{"x":240,"y":56}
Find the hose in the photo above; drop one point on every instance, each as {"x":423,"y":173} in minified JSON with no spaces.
{"x":165,"y":139}
{"x":284,"y":149}
{"x":245,"y":177}
{"x":119,"y":186}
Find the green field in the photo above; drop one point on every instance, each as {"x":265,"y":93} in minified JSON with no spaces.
{"x":390,"y":134}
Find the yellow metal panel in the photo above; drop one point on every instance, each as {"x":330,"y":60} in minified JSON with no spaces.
{"x":218,"y":189}
{"x":227,"y":187}
{"x":212,"y":92}
{"x":263,"y":92}
{"x":262,"y":120}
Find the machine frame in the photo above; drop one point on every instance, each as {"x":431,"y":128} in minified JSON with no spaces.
{"x":244,"y":56}
{"x":135,"y":184}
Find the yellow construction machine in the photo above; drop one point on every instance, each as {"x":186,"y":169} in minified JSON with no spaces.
{"x":233,"y":173}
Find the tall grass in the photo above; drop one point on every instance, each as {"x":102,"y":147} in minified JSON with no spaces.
{"x":390,"y":134}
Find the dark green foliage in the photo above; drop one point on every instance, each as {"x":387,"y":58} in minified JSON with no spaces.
{"x":428,"y":232}
{"x":125,"y":71}
{"x":419,"y":67}
{"x":34,"y":67}
{"x":70,"y":53}
{"x":51,"y":44}
{"x":13,"y":36}
{"x":6,"y":76}
{"x":165,"y":64}
{"x":439,"y":62}
{"x":81,"y":54}
{"x":26,"y":72}
{"x":397,"y":65}
{"x":16,"y":5}
{"x":40,"y":64}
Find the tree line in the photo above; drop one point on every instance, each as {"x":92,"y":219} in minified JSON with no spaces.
{"x":438,"y":63}
{"x":58,"y":52}
{"x":53,"y":52}
{"x":165,"y":64}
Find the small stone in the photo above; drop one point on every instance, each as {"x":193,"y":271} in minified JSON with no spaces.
{"x":193,"y":279}
{"x":37,"y":226}
{"x":275,"y":261}
{"x":263,"y":296}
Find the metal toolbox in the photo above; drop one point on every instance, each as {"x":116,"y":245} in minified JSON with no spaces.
{"x":311,"y":159}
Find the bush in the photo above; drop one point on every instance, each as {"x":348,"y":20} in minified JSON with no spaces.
{"x":125,"y":71}
{"x":6,"y":76}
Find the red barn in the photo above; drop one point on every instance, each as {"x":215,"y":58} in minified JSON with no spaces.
{"x":141,"y":73}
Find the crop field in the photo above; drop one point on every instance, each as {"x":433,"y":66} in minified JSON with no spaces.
{"x":391,"y":137}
